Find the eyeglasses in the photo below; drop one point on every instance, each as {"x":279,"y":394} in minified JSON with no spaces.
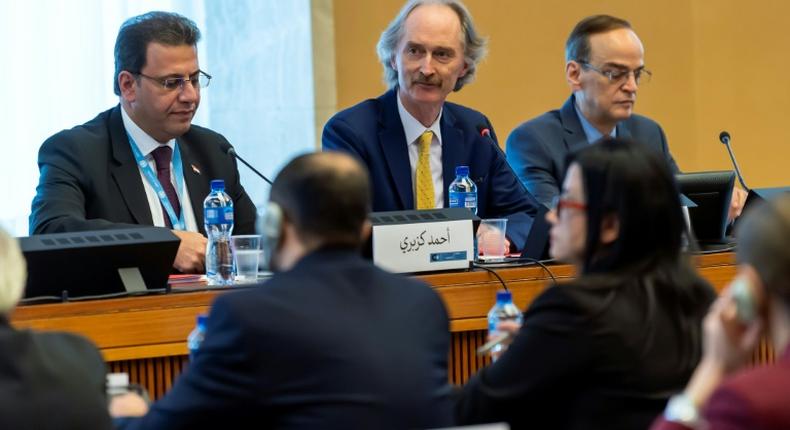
{"x":641,"y":75}
{"x":558,"y":204}
{"x":199,"y":79}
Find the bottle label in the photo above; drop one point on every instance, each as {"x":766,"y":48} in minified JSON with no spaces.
{"x":463,"y":200}
{"x":220,"y":215}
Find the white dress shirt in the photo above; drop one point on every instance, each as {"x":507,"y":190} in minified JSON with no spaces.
{"x":146,"y":144}
{"x":413,"y":130}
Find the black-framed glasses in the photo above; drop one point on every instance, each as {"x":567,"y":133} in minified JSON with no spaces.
{"x":641,"y":75}
{"x":199,"y":79}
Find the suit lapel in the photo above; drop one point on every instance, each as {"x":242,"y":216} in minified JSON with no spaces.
{"x":125,"y":172}
{"x":453,"y":150}
{"x":392,"y":140}
{"x":574,"y":133}
{"x":197,"y":184}
{"x":622,"y":131}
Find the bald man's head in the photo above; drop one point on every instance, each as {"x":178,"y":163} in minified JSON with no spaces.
{"x":326,"y":195}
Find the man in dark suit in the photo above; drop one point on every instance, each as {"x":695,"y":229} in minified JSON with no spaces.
{"x":47,"y":380}
{"x":604,"y":67}
{"x":142,"y":162}
{"x":330,"y":341}
{"x":412,"y":140}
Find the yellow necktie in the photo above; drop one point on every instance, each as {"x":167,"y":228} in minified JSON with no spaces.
{"x":424,"y":181}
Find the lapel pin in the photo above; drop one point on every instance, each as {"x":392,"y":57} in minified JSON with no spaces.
{"x":195,"y":169}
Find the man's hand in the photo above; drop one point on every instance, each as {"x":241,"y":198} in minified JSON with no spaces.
{"x":128,"y":405}
{"x":488,"y":241}
{"x":191,"y":256}
{"x":736,"y":204}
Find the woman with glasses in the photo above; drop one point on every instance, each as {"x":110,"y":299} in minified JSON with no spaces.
{"x":608,"y":349}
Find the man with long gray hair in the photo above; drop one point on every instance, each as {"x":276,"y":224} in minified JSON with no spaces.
{"x":411,"y":139}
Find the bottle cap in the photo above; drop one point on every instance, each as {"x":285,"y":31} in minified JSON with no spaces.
{"x":217,"y":184}
{"x":503,"y":296}
{"x":201,"y":319}
{"x":462,"y":171}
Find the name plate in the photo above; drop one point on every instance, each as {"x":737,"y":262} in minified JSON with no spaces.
{"x":421,"y":241}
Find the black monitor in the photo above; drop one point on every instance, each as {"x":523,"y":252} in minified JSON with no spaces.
{"x":98,"y":263}
{"x":711,"y":192}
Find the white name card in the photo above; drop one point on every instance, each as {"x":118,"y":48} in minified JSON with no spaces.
{"x":423,"y":246}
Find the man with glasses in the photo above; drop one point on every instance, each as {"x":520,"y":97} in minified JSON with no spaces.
{"x":604,"y":68}
{"x":142,"y":162}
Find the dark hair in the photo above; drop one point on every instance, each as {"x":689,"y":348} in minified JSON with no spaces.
{"x":764,"y":243}
{"x":577,"y":48}
{"x":326,"y":195}
{"x":633,"y":183}
{"x":137,"y":32}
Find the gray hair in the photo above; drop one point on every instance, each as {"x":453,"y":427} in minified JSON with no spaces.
{"x":764,"y":243}
{"x":474,"y":44}
{"x":13,"y":273}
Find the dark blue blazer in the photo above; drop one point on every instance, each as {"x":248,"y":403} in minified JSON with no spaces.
{"x":537,"y":148}
{"x":334,"y":343}
{"x":373,"y":132}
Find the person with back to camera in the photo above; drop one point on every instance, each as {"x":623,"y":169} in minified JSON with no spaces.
{"x":47,"y":380}
{"x":607,"y":349}
{"x":330,"y":341}
{"x":756,"y":303}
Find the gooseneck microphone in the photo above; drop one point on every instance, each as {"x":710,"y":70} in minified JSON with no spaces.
{"x":486,"y":133}
{"x":232,"y":152}
{"x":724,"y":137}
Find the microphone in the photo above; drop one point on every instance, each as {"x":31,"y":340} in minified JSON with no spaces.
{"x":232,"y":152}
{"x":724,"y":137}
{"x":486,"y":133}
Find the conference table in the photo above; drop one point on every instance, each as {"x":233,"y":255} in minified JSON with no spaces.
{"x":145,"y":336}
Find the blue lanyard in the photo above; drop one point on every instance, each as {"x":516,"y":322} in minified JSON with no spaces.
{"x":177,"y":223}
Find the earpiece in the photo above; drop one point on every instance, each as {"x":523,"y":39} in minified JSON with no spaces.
{"x":270,"y":228}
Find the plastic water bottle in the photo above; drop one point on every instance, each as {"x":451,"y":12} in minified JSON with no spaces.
{"x":503,"y":310}
{"x":463,"y":191}
{"x":195,"y":337}
{"x":218,"y":216}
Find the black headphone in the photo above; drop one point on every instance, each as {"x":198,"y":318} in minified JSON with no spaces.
{"x":271,"y":232}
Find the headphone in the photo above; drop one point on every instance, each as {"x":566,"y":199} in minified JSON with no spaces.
{"x":271,"y":231}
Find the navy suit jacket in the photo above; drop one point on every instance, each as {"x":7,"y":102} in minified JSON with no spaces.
{"x":537,"y":148}
{"x":334,"y":343}
{"x":90,"y":180}
{"x":373,"y":132}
